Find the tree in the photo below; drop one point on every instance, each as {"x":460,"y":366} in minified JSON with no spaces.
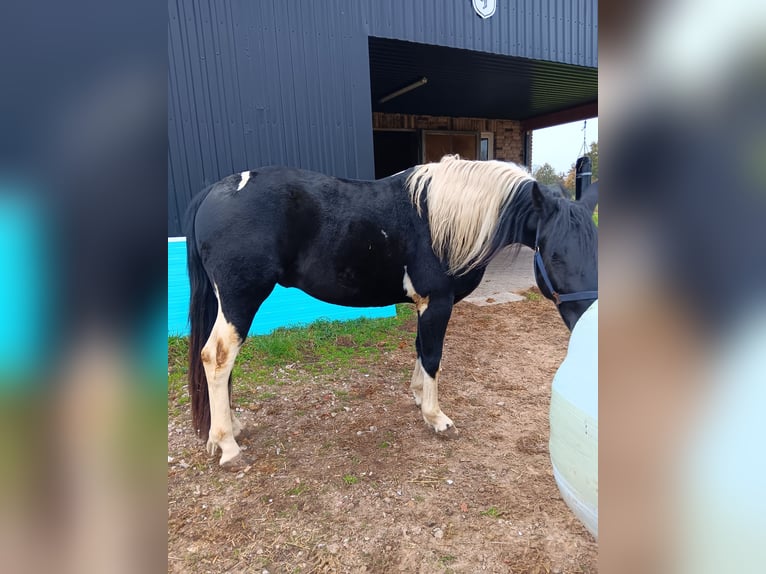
{"x":570,"y":181}
{"x":593,"y":154}
{"x":546,"y":175}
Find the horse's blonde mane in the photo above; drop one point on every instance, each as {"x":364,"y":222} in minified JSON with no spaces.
{"x":465,"y":200}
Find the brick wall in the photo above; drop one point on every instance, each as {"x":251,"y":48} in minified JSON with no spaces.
{"x":509,"y":139}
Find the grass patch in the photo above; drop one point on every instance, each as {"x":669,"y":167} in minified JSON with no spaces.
{"x":293,"y":354}
{"x":178,"y":351}
{"x":492,"y":512}
{"x":532,"y":295}
{"x":595,"y":217}
{"x":297,"y":490}
{"x":448,"y":559}
{"x":350,"y":479}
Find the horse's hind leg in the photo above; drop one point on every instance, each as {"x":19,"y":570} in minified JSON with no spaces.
{"x":236,"y":309}
{"x":235,"y":314}
{"x":218,"y":357}
{"x":432,"y":326}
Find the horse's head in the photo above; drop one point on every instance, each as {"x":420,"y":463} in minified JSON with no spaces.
{"x":566,"y":245}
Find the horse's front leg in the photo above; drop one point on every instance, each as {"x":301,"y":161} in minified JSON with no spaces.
{"x":432,"y":326}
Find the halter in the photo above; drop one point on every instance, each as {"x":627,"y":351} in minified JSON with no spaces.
{"x":557,"y":297}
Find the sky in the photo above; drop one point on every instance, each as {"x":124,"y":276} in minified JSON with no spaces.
{"x":560,"y":145}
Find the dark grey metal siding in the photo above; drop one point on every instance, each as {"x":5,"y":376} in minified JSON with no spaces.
{"x":258,"y":82}
{"x":255,"y":83}
{"x":563,"y":31}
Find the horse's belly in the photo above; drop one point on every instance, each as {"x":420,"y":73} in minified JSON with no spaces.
{"x":350,"y":297}
{"x":373,"y":285}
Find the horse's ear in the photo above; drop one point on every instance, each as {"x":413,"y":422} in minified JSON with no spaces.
{"x":589,"y":197}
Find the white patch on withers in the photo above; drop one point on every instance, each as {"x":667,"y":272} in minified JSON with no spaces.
{"x":383,"y":231}
{"x":421,"y":303}
{"x":243,"y":182}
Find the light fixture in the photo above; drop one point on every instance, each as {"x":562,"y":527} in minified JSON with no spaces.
{"x":421,"y":82}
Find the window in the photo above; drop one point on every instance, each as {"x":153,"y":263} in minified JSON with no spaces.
{"x":487,"y":146}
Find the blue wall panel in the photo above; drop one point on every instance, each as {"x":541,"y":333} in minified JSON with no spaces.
{"x":283,"y":308}
{"x":27,"y":289}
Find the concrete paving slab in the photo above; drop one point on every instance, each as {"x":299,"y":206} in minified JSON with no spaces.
{"x":508,"y":274}
{"x":495,"y":299}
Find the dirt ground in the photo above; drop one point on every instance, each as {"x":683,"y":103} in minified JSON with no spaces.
{"x":346,"y":477}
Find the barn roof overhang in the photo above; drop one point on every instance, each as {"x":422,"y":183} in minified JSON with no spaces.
{"x":464,"y":83}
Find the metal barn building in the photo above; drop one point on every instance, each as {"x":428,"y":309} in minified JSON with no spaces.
{"x":365,"y":88}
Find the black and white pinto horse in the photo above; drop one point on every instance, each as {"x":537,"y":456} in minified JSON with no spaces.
{"x":424,"y":235}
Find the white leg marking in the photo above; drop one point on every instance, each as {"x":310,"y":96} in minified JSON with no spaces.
{"x":421,"y":303}
{"x":416,"y":385}
{"x":243,"y":182}
{"x":218,"y":357}
{"x":432,"y":414}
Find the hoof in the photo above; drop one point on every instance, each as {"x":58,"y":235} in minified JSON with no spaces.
{"x":439,"y":422}
{"x":236,"y":464}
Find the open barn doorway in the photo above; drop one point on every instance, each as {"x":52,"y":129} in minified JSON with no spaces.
{"x":395,"y":150}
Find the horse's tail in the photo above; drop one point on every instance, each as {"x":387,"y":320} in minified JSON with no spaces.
{"x":203,"y":308}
